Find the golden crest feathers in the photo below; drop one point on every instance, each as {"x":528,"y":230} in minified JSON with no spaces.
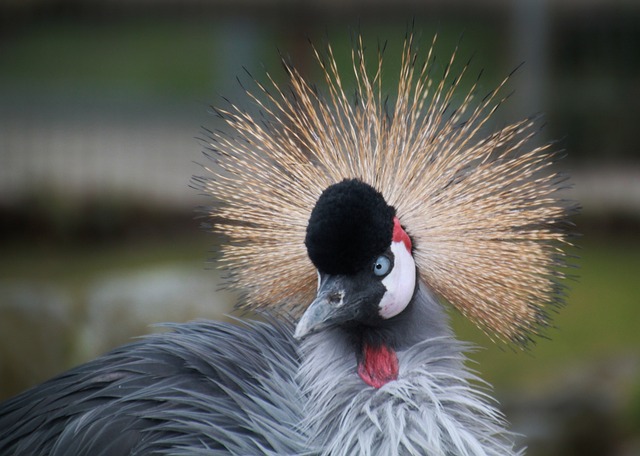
{"x":483,"y":211}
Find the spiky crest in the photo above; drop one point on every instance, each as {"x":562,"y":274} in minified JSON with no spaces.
{"x":483,"y":211}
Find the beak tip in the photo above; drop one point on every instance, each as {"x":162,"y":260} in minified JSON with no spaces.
{"x":300,"y":332}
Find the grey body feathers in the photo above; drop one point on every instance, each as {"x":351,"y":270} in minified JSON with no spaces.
{"x":204,"y":388}
{"x":250,"y":388}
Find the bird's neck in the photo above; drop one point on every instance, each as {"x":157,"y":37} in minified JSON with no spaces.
{"x":372,"y":351}
{"x":376,"y":347}
{"x":432,"y":388}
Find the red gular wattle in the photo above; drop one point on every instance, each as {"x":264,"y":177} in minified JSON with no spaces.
{"x":379,"y":365}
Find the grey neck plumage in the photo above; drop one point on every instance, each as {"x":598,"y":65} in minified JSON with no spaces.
{"x":436,"y":407}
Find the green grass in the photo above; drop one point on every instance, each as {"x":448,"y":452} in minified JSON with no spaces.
{"x":76,"y":264}
{"x":181,"y":57}
{"x":152,"y":57}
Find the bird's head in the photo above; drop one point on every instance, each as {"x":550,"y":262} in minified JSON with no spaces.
{"x":366,"y":270}
{"x":484,"y":209}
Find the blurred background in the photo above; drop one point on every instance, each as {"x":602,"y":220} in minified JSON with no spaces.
{"x":101,"y":107}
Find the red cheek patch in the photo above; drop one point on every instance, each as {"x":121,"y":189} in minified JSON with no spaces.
{"x":400,"y":235}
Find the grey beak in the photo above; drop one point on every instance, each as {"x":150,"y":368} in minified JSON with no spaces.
{"x":325,"y":309}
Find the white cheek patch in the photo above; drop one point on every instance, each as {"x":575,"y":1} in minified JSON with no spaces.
{"x":400,"y":283}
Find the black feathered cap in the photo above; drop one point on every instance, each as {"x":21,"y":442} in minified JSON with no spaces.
{"x":350,"y":225}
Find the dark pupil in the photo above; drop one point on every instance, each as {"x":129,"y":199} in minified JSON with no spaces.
{"x":378,"y":266}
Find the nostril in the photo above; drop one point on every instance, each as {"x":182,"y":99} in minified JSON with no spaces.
{"x":335,"y":298}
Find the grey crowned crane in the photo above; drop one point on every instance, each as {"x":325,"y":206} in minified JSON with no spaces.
{"x":359,"y":217}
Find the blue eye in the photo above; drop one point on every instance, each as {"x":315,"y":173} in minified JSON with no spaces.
{"x":382,"y":266}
